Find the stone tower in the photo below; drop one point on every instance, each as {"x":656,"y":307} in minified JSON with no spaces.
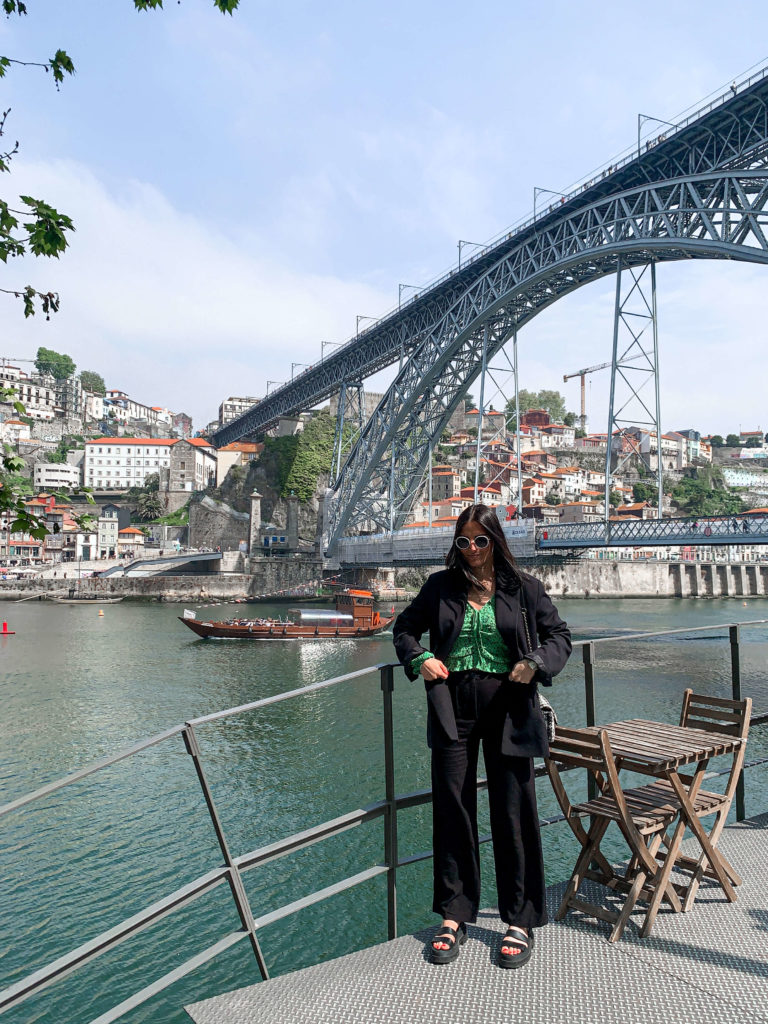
{"x":254,"y":545}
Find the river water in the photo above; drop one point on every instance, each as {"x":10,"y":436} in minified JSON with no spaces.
{"x":76,"y":686}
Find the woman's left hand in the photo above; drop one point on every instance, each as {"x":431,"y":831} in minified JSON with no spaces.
{"x":522,"y":673}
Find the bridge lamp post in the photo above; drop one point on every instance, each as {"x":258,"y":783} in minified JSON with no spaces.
{"x":401,"y":288}
{"x":642,"y":118}
{"x":278,"y":382}
{"x":322,"y":347}
{"x":294,"y":365}
{"x":358,"y":318}
{"x":545,"y":191}
{"x":462,"y":242}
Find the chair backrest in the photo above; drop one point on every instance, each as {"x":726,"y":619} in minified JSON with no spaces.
{"x":576,"y":748}
{"x":716,"y":714}
{"x":723,"y":715}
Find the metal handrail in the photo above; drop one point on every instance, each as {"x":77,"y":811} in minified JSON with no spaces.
{"x":233,"y":866}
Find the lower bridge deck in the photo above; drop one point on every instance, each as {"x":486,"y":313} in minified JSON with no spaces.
{"x":708,"y":965}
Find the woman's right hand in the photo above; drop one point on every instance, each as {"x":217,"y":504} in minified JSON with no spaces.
{"x":433,"y":669}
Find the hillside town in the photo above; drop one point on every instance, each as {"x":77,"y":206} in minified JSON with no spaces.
{"x":132,"y":468}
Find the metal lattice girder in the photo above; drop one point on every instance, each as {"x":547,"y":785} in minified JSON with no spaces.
{"x":633,"y":407}
{"x":713,"y":530}
{"x":719,"y":216}
{"x":732,"y":132}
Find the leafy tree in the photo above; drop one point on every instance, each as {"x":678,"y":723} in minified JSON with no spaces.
{"x":580,"y":432}
{"x":150,"y":506}
{"x":152,"y":483}
{"x":732,"y":441}
{"x":93,"y":382}
{"x":615,"y":499}
{"x":754,"y":442}
{"x":469,"y":401}
{"x":569,"y":419}
{"x":551,"y":498}
{"x":644,"y":492}
{"x":552,"y":401}
{"x":705,"y":494}
{"x":717,"y":441}
{"x":57,"y":364}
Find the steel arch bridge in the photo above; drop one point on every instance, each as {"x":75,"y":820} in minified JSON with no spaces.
{"x":698,"y":193}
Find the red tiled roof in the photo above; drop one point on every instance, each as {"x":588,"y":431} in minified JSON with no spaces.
{"x":197,"y":442}
{"x":131,"y":529}
{"x":242,"y":446}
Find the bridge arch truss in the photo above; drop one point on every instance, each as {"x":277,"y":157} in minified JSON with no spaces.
{"x":716,"y":215}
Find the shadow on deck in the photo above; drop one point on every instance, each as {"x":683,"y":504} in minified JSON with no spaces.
{"x":709,"y":965}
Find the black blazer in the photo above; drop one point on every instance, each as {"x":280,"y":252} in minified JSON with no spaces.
{"x":439,"y":609}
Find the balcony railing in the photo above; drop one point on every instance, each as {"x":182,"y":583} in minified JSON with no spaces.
{"x":232,"y":867}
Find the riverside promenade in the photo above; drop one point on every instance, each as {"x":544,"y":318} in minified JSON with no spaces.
{"x":708,"y":965}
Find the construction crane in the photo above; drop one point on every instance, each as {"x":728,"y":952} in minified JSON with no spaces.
{"x":583,"y":374}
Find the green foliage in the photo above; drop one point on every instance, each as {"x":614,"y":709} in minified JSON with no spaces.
{"x":551,"y":498}
{"x":615,"y":499}
{"x":705,"y":494}
{"x":552,"y":401}
{"x":296,"y":463}
{"x":225,"y":6}
{"x":569,"y":419}
{"x":150,"y":506}
{"x":60,"y":455}
{"x":754,"y":442}
{"x":152,"y":483}
{"x":645,"y":492}
{"x":57,"y":364}
{"x":93,"y":382}
{"x":732,"y":440}
{"x":717,"y":441}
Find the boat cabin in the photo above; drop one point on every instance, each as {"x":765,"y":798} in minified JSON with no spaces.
{"x":358,"y":604}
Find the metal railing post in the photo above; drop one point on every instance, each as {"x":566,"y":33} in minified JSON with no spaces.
{"x":234,"y":877}
{"x":588,"y":658}
{"x":390,"y":814}
{"x":734,"y":635}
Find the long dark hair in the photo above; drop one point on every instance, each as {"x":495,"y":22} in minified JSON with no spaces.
{"x":503,"y":559}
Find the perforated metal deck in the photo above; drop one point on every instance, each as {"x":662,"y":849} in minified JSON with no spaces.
{"x":709,"y":965}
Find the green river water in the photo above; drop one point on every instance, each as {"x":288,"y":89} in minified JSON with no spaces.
{"x":75,"y":687}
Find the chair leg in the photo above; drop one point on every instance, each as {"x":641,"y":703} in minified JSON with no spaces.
{"x":594,"y":837}
{"x":629,"y":906}
{"x":703,"y":867}
{"x":662,"y":888}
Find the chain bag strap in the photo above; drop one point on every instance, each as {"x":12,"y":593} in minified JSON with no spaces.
{"x":550,"y":716}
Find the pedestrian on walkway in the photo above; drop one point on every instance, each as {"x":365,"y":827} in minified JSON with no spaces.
{"x":494,"y":635}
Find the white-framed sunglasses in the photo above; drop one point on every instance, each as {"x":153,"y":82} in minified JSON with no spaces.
{"x":481,"y":542}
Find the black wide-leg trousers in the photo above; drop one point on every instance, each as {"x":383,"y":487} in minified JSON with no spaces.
{"x":479,"y":706}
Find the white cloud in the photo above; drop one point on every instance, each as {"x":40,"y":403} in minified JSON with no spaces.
{"x":164,"y":305}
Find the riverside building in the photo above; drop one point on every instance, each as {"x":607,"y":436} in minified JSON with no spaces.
{"x":117,"y":463}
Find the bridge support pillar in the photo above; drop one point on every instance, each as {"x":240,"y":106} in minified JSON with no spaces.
{"x":634,"y":415}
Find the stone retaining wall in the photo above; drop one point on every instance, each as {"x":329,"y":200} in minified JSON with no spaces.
{"x":593,"y":579}
{"x":269,"y":576}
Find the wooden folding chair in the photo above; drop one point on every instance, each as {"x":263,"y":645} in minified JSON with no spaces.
{"x":716,"y":715}
{"x":642,"y":823}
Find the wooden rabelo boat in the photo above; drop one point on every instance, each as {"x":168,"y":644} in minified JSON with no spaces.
{"x":353,"y":618}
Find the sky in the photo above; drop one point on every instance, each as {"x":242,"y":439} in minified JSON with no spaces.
{"x":243,"y":187}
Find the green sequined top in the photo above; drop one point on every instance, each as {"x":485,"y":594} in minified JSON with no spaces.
{"x":478,"y":646}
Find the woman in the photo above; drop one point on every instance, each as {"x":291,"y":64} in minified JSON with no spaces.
{"x":493,"y":636}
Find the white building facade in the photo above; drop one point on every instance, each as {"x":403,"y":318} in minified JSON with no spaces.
{"x":117,"y":463}
{"x":52,"y":476}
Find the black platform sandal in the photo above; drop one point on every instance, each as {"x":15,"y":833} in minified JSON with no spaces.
{"x":455,"y":937}
{"x":519,"y":941}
